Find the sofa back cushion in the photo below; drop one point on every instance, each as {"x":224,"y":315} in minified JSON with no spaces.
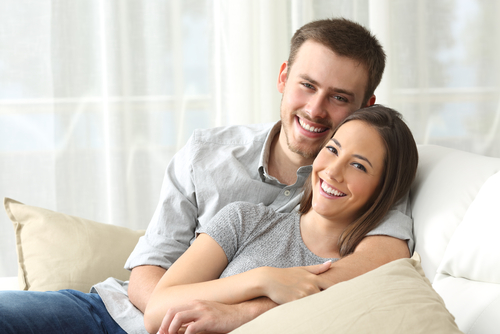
{"x":455,"y":207}
{"x":447,"y":182}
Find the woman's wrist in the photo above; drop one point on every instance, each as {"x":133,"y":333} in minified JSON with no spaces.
{"x":260,"y":281}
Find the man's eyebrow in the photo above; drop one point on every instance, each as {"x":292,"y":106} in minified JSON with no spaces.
{"x":330,"y":90}
{"x":354,"y":155}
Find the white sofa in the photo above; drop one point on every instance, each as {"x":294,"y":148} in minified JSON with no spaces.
{"x":454,"y":199}
{"x":456,"y":212}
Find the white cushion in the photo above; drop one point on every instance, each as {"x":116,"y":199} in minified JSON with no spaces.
{"x":473,"y":252}
{"x":475,"y":305}
{"x":469,"y":276}
{"x":447,"y":182}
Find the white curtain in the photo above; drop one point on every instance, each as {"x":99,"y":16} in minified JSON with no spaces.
{"x":97,"y":95}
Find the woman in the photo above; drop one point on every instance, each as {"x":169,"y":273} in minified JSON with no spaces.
{"x":366,"y":167}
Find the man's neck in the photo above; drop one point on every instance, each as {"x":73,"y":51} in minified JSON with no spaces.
{"x":283,"y":163}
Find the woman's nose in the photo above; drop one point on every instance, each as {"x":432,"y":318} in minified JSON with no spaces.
{"x":335,"y":171}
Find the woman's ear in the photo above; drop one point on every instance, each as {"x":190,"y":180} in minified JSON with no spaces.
{"x":282,"y":77}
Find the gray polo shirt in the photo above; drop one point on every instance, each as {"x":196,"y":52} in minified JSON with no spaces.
{"x":216,"y":167}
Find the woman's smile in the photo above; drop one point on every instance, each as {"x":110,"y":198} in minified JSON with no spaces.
{"x":330,"y":191}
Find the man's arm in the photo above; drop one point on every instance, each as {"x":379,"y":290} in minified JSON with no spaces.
{"x":166,"y":238}
{"x":143,"y":280}
{"x":371,"y":253}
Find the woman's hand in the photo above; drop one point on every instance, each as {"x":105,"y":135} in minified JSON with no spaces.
{"x":284,"y":285}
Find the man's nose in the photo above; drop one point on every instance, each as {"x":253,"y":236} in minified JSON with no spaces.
{"x":316,"y":106}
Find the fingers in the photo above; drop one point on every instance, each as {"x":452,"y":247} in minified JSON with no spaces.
{"x":176,"y":318}
{"x":165,"y":324}
{"x":318,"y":268}
{"x":180,"y":319}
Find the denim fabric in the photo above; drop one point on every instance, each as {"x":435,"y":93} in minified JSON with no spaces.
{"x":65,"y":311}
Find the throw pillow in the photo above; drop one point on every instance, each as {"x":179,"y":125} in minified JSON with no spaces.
{"x":58,"y":251}
{"x":394,"y":298}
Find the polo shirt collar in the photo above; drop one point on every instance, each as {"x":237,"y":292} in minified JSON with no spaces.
{"x":266,"y":150}
{"x":302,"y":172}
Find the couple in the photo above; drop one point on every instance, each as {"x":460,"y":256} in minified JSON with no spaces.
{"x":333,"y":69}
{"x":363,"y":170}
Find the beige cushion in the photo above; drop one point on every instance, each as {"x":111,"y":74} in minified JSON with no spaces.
{"x":57,"y":251}
{"x":395,"y":298}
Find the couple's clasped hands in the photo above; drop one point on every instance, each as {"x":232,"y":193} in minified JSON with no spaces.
{"x":279,"y":285}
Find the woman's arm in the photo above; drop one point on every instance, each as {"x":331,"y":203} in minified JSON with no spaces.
{"x":194,"y":276}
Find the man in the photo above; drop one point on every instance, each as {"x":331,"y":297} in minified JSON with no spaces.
{"x":333,"y":69}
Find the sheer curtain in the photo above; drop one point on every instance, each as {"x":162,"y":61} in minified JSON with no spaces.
{"x":97,"y":95}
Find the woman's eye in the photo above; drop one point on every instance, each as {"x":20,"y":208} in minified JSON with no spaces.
{"x":332,"y":149}
{"x":359,"y":166}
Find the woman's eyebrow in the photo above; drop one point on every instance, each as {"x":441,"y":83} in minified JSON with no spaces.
{"x":362,"y":158}
{"x":354,"y":155}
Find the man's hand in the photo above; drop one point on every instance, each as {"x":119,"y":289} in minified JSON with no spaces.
{"x":207,"y":316}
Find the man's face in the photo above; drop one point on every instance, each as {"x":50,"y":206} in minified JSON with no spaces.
{"x":319,"y":91}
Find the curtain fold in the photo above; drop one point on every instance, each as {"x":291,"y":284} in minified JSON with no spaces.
{"x":97,"y":95}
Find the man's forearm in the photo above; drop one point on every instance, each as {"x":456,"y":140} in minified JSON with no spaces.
{"x":143,"y":280}
{"x":371,"y":253}
{"x":249,"y":310}
{"x":255,"y":307}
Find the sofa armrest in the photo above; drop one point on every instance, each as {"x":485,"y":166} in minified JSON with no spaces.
{"x":9,"y":283}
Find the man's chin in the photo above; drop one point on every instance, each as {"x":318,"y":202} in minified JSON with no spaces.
{"x":306,"y":154}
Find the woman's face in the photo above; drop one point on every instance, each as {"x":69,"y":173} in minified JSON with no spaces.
{"x":347,"y":172}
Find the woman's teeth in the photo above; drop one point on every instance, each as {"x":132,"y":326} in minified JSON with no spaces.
{"x":331,"y":191}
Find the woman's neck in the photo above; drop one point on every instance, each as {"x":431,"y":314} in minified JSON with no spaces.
{"x":321,"y":235}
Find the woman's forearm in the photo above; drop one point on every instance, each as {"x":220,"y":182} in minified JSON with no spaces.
{"x":229,"y":290}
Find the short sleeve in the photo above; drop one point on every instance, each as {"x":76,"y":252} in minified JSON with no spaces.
{"x":225,"y":229}
{"x":237,"y":225}
{"x":398,"y":223}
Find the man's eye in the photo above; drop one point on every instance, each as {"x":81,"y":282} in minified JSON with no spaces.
{"x":332,"y":149}
{"x":340,"y":98}
{"x":308,"y":85}
{"x":359,"y":166}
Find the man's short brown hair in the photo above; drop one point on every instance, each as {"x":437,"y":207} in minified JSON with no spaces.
{"x":348,"y":39}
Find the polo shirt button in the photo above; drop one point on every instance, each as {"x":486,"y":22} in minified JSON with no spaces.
{"x":287,"y":192}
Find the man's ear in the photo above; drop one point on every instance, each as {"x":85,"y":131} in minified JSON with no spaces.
{"x":371,"y":101}
{"x":282,"y":77}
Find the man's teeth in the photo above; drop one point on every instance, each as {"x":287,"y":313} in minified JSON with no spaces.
{"x":310,"y":128}
{"x":331,"y":191}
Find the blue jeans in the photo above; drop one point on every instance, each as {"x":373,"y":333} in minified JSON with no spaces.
{"x":65,"y":311}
